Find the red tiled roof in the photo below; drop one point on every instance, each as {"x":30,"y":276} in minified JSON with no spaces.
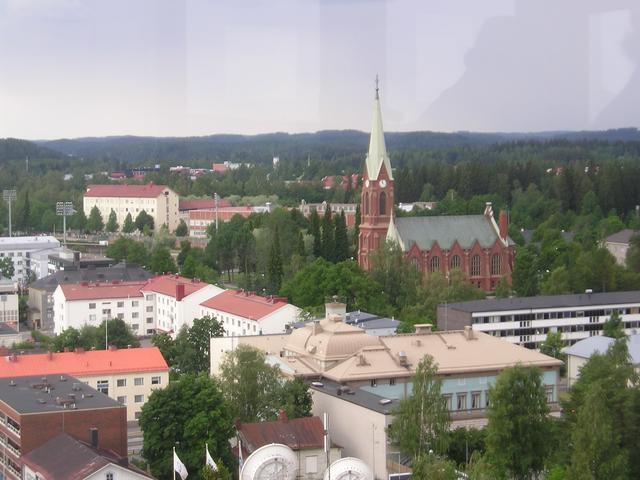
{"x":298,"y":433}
{"x":97,"y":291}
{"x":166,"y":285}
{"x":203,"y":203}
{"x":245,"y":304}
{"x":220,"y":167}
{"x":125,"y":191}
{"x":94,"y":362}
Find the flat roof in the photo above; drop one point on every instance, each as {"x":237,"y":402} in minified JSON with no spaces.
{"x":28,"y":243}
{"x":54,"y":393}
{"x":547,"y":301}
{"x":356,"y":396}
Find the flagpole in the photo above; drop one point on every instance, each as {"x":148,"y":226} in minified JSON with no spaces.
{"x":240,"y":456}
{"x":173,"y":461}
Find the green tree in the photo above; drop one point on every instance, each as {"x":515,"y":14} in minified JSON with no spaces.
{"x":296,"y":399}
{"x":525,"y":274}
{"x":274,"y":269}
{"x":78,"y":220}
{"x":519,"y":425}
{"x":166,"y":345}
{"x":433,"y":467}
{"x":314,"y":230}
{"x":398,"y":278}
{"x":128,"y":226}
{"x":328,"y":236}
{"x":162,"y":261}
{"x":118,"y":334}
{"x":503,"y":289}
{"x":187,"y":413}
{"x":633,"y":254}
{"x":112,"y":222}
{"x":341,"y":238}
{"x":25,"y":217}
{"x":95,"y":223}
{"x":421,"y":421}
{"x":596,"y":441}
{"x":250,"y":384}
{"x":553,"y":346}
{"x":222,"y":473}
{"x":182,"y":230}
{"x":356,"y":231}
{"x":7,"y":268}
{"x":557,"y":282}
{"x":68,"y":338}
{"x":199,"y":336}
{"x":613,"y":327}
{"x":144,"y":220}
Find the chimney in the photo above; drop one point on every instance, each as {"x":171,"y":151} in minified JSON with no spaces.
{"x":468,"y":332}
{"x":179,"y":292}
{"x":94,"y":437}
{"x":424,"y":327}
{"x":282,"y":417}
{"x":488,"y":210}
{"x":335,"y":308}
{"x":503,"y":223}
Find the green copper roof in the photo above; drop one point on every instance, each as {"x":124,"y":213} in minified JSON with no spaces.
{"x":377,"y":155}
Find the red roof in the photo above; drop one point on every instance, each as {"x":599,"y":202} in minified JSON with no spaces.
{"x":297,"y":433}
{"x":125,"y":191}
{"x":220,"y":167}
{"x":166,"y":285}
{"x":202,"y":203}
{"x":97,"y":291}
{"x":245,"y":304}
{"x":85,"y":363}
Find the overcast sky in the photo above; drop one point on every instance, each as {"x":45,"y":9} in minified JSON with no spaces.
{"x":71,"y":68}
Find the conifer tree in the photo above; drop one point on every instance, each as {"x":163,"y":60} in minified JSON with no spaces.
{"x":341,"y":238}
{"x":95,"y":222}
{"x":356,"y":231}
{"x":128,"y":225}
{"x":328,"y":238}
{"x":112,"y":223}
{"x":274,"y":269}
{"x":314,"y":230}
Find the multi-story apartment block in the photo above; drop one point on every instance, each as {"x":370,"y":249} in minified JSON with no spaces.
{"x":29,"y":255}
{"x":9,"y":303}
{"x":245,"y":313}
{"x":526,"y":321}
{"x":35,"y":409}
{"x":159,"y":201}
{"x":128,"y":376}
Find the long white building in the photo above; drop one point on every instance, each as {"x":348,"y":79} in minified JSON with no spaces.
{"x":29,"y":254}
{"x":526,"y":321}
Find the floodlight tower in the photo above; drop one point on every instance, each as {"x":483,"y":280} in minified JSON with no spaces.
{"x":64,"y":209}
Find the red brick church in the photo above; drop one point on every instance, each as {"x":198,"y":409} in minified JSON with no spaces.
{"x":475,"y":244}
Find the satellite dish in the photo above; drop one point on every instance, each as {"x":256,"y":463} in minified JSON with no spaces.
{"x":349,"y":468}
{"x":271,"y":462}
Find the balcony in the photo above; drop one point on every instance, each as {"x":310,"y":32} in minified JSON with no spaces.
{"x":13,"y":427}
{"x":13,"y":449}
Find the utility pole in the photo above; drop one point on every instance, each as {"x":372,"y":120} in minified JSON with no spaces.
{"x":327,"y":444}
{"x":9,"y":196}
{"x":64,"y":209}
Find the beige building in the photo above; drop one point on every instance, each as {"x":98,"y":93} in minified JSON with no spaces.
{"x":358,"y":379}
{"x":159,"y":201}
{"x":128,"y":376}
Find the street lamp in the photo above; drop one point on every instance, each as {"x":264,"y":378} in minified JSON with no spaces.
{"x":9,"y":196}
{"x":64,"y":209}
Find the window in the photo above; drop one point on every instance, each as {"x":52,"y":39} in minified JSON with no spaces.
{"x":447,"y":401}
{"x":120,"y":304}
{"x":135,"y":315}
{"x":121,"y":382}
{"x":109,"y":476}
{"x":137,"y":415}
{"x":392,"y":381}
{"x":120,"y":316}
{"x":139,"y":398}
{"x":92,"y":318}
{"x":415,"y":264}
{"x":495,"y":265}
{"x":134,"y":303}
{"x":103,"y":386}
{"x":383,"y":203}
{"x":122,"y":399}
{"x":374,"y":382}
{"x":434,"y":266}
{"x":476,"y":400}
{"x":475,"y":266}
{"x":455,"y":262}
{"x":311,"y":464}
{"x":92,"y":306}
{"x":138,"y":381}
{"x":549,"y":391}
{"x":106,"y":311}
{"x":149,"y":297}
{"x":135,"y":326}
{"x":149,"y":309}
{"x":461,"y":401}
{"x":156,"y":380}
{"x":149,"y":319}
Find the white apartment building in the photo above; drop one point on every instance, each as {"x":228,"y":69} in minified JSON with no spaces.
{"x":29,"y":254}
{"x":526,"y":321}
{"x":9,"y":303}
{"x":245,"y":313}
{"x":159,"y":201}
{"x":76,"y":305}
{"x":128,"y":376}
{"x":176,"y":300}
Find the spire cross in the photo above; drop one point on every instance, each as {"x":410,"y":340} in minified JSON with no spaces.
{"x":377,"y":96}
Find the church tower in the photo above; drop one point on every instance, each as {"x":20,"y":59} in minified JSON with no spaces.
{"x":376,"y":202}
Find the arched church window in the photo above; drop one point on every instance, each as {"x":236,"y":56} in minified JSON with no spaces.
{"x":475,"y":266}
{"x":383,"y":203}
{"x":414,"y":263}
{"x":366,"y":204}
{"x":455,"y":262}
{"x":495,"y":265}
{"x":435,"y":264}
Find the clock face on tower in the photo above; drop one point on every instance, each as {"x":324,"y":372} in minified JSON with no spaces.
{"x":383,"y":183}
{"x":366,"y":183}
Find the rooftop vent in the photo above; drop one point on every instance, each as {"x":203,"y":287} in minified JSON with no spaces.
{"x":12,"y":383}
{"x":42,"y":401}
{"x":313,"y":384}
{"x":468,"y":332}
{"x":402,"y":358}
{"x":77,"y":387}
{"x":385,"y":401}
{"x":424,"y":328}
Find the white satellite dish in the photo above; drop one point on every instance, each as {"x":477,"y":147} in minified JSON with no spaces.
{"x":271,"y":462}
{"x":349,"y":468}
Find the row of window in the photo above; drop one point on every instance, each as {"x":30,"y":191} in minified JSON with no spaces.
{"x":475,"y":266}
{"x":591,"y":313}
{"x":120,"y":304}
{"x":479,"y":401}
{"x":136,"y":398}
{"x":103,"y":385}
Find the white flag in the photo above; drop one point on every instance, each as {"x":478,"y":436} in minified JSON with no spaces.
{"x":179,"y":467}
{"x":209,"y":460}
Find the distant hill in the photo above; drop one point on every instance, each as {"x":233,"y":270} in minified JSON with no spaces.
{"x":325,"y":144}
{"x":15,"y":149}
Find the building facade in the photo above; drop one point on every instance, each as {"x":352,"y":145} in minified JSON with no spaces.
{"x":618,"y":244}
{"x":128,"y":376}
{"x":473,"y":244}
{"x":34,"y":409}
{"x":526,"y":321}
{"x":30,"y":255}
{"x":159,"y":201}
